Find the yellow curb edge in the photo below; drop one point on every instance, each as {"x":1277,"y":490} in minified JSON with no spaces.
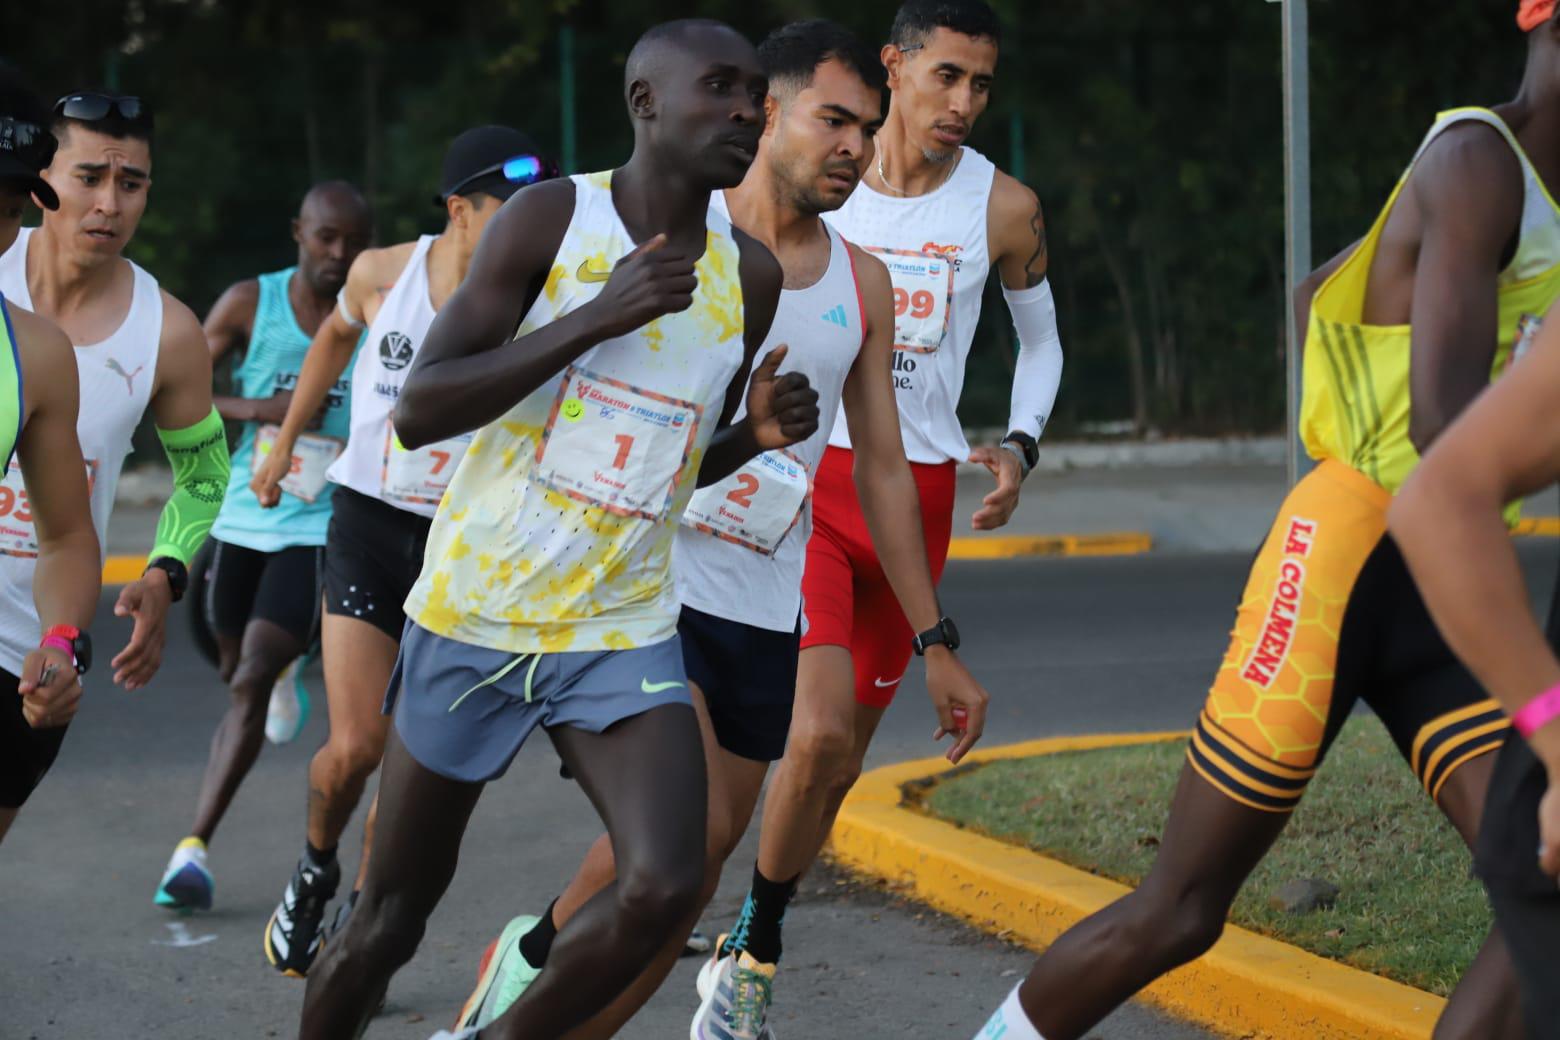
{"x":121,"y":570}
{"x":1248,"y":985}
{"x":1011,"y":546}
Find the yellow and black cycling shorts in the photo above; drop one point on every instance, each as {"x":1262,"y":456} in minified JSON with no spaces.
{"x":1330,"y":617}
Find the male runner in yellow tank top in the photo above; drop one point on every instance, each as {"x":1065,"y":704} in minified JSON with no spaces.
{"x":1397,"y":344}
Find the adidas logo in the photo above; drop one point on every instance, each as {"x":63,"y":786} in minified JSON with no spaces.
{"x":837,"y":317}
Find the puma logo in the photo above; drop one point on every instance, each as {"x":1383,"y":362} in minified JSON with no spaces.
{"x":129,"y":377}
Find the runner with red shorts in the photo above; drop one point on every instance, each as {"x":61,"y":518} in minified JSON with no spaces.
{"x":940,"y":216}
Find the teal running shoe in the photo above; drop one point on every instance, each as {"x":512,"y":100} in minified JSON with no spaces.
{"x":288,"y":711}
{"x":503,"y":975}
{"x":187,"y":883}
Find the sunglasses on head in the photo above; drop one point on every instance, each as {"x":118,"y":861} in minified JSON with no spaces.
{"x":29,"y":142}
{"x":521,"y":170}
{"x":92,"y":108}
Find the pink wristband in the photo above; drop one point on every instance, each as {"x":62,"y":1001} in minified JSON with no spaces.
{"x":59,"y":643}
{"x":1538,"y":712}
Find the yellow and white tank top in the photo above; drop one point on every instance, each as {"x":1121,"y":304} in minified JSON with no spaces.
{"x":1355,"y":407}
{"x":556,"y":532}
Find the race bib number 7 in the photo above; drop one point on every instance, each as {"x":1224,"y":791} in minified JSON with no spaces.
{"x":18,"y":534}
{"x":616,"y":446}
{"x":923,"y":297}
{"x":312,"y":456}
{"x":419,"y":476}
{"x":755,"y":507}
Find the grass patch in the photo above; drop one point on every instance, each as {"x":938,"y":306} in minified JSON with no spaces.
{"x":1409,"y":908}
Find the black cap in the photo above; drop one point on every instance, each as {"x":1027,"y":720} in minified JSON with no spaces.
{"x":481,"y":150}
{"x":26,"y":143}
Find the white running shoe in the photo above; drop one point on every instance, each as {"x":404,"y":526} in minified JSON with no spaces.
{"x":445,"y":1034}
{"x":288,"y":711}
{"x":187,"y":883}
{"x":737,"y":1003}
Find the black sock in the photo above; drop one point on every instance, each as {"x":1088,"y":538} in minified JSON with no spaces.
{"x":769,"y":900}
{"x":536,"y":944}
{"x":318,"y":857}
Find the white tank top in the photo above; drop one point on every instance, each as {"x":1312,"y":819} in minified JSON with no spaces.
{"x":374,"y":463}
{"x":556,"y":534}
{"x":935,"y":248}
{"x":743,"y":541}
{"x":116,"y":385}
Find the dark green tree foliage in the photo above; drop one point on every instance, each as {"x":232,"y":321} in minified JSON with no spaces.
{"x":1153,"y":135}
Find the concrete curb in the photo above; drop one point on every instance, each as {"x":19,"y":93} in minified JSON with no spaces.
{"x":1248,"y":985}
{"x":1012,"y":546}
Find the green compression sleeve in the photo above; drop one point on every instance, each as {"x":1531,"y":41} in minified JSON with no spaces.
{"x":200,"y":474}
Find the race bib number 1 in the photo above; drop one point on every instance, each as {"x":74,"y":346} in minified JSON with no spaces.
{"x":312,"y":456}
{"x":18,"y":535}
{"x":419,"y":476}
{"x":755,"y":507}
{"x":616,"y":446}
{"x":923,"y":296}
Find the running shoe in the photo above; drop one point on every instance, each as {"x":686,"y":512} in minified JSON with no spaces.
{"x":503,"y":975}
{"x":343,"y":914}
{"x":292,"y":935}
{"x":738,"y":1001}
{"x":704,"y":982}
{"x":445,"y":1034}
{"x":187,"y":884}
{"x":698,"y":944}
{"x":288,"y":711}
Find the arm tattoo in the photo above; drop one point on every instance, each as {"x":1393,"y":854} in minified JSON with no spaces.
{"x":1041,"y":256}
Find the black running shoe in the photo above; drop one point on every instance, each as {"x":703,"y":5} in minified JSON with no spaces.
{"x":292,"y":936}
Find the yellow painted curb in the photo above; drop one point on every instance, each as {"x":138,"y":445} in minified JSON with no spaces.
{"x":1539,"y":526}
{"x":1248,"y":985}
{"x":1010,"y":546}
{"x":122,"y":570}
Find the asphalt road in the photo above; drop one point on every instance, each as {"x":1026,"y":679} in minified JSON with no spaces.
{"x":1065,"y":646}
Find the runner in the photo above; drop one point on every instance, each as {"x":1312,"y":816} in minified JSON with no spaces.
{"x":38,"y":392}
{"x":263,"y":594}
{"x":1397,"y":343}
{"x":739,"y":555}
{"x":137,"y":351}
{"x":1448,"y":521}
{"x":547,"y":596}
{"x":383,"y":505}
{"x":940,"y":216}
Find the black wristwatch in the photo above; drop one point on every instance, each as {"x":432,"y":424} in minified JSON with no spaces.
{"x":178,"y":574}
{"x":80,"y":645}
{"x":1028,"y":450}
{"x":944,"y":634}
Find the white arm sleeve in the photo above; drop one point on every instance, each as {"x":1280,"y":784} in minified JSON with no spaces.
{"x":346,"y":315}
{"x":1038,"y":371}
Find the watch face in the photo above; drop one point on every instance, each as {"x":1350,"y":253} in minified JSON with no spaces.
{"x":950,"y":633}
{"x":82,"y":648}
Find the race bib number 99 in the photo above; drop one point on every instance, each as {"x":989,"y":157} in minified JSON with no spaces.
{"x":923,"y":296}
{"x":18,"y":535}
{"x":419,"y":476}
{"x":755,"y":507}
{"x":312,"y":456}
{"x":616,"y":446}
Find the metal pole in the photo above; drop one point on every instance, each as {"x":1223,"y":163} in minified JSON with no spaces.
{"x":1016,"y":165}
{"x":566,"y":97}
{"x":1297,"y":208}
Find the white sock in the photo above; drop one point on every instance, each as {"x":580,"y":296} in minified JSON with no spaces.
{"x":1009,"y":1022}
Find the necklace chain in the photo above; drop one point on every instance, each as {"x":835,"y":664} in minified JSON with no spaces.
{"x":952,"y":165}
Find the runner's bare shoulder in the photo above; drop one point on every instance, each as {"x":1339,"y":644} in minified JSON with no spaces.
{"x":47,"y":357}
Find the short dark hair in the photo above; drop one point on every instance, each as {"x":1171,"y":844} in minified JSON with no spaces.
{"x":792,"y":53}
{"x":918,"y":19}
{"x":113,"y":124}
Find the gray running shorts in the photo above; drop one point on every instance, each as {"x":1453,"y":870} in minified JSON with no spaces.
{"x":464,"y":711}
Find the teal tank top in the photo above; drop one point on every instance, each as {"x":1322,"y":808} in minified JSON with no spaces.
{"x":275,"y":356}
{"x":13,"y":407}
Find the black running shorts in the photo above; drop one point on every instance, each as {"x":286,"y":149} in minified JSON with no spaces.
{"x":373,"y":554}
{"x":25,"y":753}
{"x":282,"y":587}
{"x":748,"y":677}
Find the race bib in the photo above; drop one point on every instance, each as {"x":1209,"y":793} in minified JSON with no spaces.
{"x":923,"y":297}
{"x":312,"y":456}
{"x":419,"y":476}
{"x":613,"y":445}
{"x":18,"y":535}
{"x":755,"y":507}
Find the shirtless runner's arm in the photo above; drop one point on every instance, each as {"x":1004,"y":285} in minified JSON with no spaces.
{"x":890,"y":502}
{"x":69,"y":574}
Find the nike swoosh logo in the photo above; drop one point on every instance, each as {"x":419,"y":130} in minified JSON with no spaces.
{"x":586,"y":274}
{"x":657,"y":687}
{"x":880,"y":684}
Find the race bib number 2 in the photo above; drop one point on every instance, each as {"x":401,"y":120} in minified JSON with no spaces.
{"x":312,"y":456}
{"x":755,"y":507}
{"x":419,"y":476}
{"x":923,"y":297}
{"x":18,"y":534}
{"x":616,"y":446}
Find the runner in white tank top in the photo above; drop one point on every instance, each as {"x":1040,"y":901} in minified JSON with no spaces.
{"x":601,"y":344}
{"x":138,"y":350}
{"x":384,"y":500}
{"x":740,"y":551}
